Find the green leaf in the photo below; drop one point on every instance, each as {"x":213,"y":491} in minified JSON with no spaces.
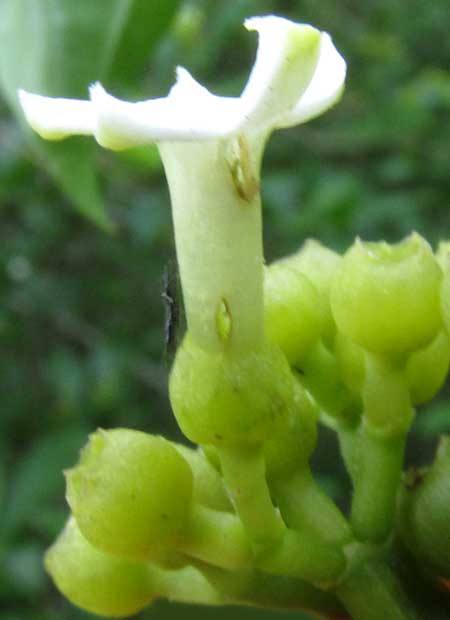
{"x":56,"y":48}
{"x":72,"y":165}
{"x":434,"y":420}
{"x":147,"y":22}
{"x":38,"y":477}
{"x":23,"y":569}
{"x":63,"y":46}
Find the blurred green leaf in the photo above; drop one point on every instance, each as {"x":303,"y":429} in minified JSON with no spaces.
{"x":435,"y":419}
{"x":63,"y":46}
{"x":66,"y":375}
{"x":2,"y":482}
{"x":50,"y":521}
{"x":38,"y":477}
{"x":23,"y":569}
{"x":142,"y":158}
{"x":72,"y":165}
{"x":146,"y":23}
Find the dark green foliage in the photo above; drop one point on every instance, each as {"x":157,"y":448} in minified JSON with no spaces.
{"x":81,"y":315}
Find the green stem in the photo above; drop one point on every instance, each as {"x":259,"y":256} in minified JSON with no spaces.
{"x":379,"y":459}
{"x":217,"y":538}
{"x":347,"y":433}
{"x":305,"y":556}
{"x":244,"y":473}
{"x":304,"y":506}
{"x":218,"y":236}
{"x":371,"y":592}
{"x":187,"y":585}
{"x":320,"y":375}
{"x":376,"y":484}
{"x":279,"y":551}
{"x":256,"y":588}
{"x":386,"y":398}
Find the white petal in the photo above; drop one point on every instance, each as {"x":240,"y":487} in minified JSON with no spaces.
{"x":189,"y":113}
{"x":285,"y":63}
{"x":325,"y":88}
{"x":209,"y":114}
{"x":297,"y":75}
{"x":54,"y":118}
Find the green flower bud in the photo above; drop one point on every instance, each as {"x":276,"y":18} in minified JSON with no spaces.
{"x":427,"y":368}
{"x":386,"y":297}
{"x":221,"y":399}
{"x":445,"y":300}
{"x":130,"y":493}
{"x":293,"y":310}
{"x":95,"y":581}
{"x":319,"y":264}
{"x":424,"y":509}
{"x":209,"y":489}
{"x":443,"y":255}
{"x":290,"y":449}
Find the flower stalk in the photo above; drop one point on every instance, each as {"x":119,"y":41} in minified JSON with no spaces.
{"x":218,"y":236}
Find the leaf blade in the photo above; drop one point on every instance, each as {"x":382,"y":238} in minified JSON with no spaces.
{"x":64,"y":46}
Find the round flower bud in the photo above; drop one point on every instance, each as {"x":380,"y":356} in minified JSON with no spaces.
{"x":319,"y":264}
{"x":293,"y":310}
{"x":424,"y":523}
{"x":130,"y":494}
{"x":386,"y":297}
{"x":288,"y":450}
{"x":221,"y":399}
{"x":427,"y":368}
{"x":445,"y":300}
{"x":96,"y":581}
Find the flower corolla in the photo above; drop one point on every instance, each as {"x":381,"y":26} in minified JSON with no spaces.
{"x":297,"y":75}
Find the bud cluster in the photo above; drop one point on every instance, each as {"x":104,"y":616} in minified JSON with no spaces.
{"x":354,"y":341}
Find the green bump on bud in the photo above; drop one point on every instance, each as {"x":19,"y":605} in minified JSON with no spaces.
{"x":293,"y":310}
{"x":290,"y":449}
{"x":130,"y":493}
{"x":427,"y":368}
{"x":319,"y":264}
{"x":221,"y":399}
{"x":386,"y":297}
{"x":424,"y":523}
{"x":95,"y":581}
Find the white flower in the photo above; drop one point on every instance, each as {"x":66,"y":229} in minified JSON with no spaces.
{"x":297,"y":75}
{"x":211,"y":148}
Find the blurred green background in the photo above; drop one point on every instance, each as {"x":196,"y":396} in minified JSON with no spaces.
{"x":86,"y":234}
